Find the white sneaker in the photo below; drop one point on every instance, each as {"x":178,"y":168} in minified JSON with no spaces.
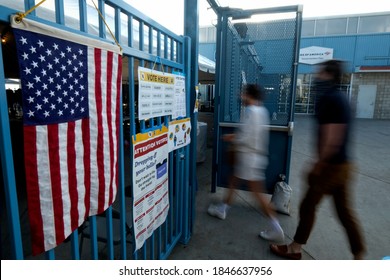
{"x":217,"y":210}
{"x":273,"y":235}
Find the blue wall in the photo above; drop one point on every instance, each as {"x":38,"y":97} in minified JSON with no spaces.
{"x":357,"y":50}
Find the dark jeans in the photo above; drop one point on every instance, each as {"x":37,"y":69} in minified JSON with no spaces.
{"x":334,"y":180}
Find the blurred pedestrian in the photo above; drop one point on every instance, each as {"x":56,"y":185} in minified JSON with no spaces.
{"x":331,"y":173}
{"x":250,"y":144}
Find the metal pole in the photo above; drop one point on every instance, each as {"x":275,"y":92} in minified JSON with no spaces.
{"x":7,"y":163}
{"x":191,"y":53}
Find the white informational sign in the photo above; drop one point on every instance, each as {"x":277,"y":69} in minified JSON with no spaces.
{"x":160,"y":94}
{"x":179,"y":134}
{"x":314,"y":55}
{"x":150,"y":183}
{"x":180,"y":97}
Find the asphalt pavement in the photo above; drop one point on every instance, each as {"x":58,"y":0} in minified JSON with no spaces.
{"x":236,"y":238}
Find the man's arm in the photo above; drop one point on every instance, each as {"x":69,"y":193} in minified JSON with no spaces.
{"x":332,"y":137}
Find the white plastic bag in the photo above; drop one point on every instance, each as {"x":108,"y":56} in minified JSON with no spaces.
{"x":282,"y":196}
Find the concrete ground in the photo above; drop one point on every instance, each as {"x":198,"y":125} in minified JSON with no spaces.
{"x":236,"y":238}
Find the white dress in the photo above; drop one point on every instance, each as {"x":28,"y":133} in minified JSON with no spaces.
{"x":252,"y":140}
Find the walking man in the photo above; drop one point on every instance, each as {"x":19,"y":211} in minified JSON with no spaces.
{"x":331,"y":173}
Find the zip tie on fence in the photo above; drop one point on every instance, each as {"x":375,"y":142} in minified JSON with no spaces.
{"x":112,"y":35}
{"x":154,"y":64}
{"x":20,"y":16}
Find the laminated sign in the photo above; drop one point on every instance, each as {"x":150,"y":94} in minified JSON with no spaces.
{"x":150,"y":183}
{"x":160,"y":94}
{"x":179,"y":134}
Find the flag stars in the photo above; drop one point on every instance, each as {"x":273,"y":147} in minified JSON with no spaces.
{"x":34,"y":64}
{"x":23,"y":40}
{"x":37,"y":79}
{"x":27,"y":71}
{"x":55,"y":79}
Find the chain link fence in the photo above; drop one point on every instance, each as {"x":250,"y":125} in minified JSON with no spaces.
{"x":260,"y":50}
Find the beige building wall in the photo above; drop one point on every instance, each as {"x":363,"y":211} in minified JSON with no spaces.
{"x":382,"y":101}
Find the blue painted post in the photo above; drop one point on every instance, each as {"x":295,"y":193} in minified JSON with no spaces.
{"x":74,"y":238}
{"x":83,"y":16}
{"x":7,"y":164}
{"x":93,"y":234}
{"x":60,"y":15}
{"x":219,"y":88}
{"x":121,"y":187}
{"x":190,"y":57}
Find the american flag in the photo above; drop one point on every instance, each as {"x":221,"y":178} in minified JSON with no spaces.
{"x":71,"y":98}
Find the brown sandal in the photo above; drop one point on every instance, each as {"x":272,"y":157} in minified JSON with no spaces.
{"x":282,"y":251}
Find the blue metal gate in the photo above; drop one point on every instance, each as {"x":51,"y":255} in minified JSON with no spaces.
{"x":258,"y":46}
{"x":144,"y":43}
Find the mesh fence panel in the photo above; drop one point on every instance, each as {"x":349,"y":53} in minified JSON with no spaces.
{"x":261,"y":51}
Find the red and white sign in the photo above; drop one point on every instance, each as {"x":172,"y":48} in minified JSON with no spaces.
{"x":150,"y":183}
{"x":315,"y":55}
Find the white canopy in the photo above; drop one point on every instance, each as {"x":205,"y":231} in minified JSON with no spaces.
{"x":205,"y":64}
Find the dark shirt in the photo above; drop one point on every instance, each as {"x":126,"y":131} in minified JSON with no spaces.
{"x":333,"y":108}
